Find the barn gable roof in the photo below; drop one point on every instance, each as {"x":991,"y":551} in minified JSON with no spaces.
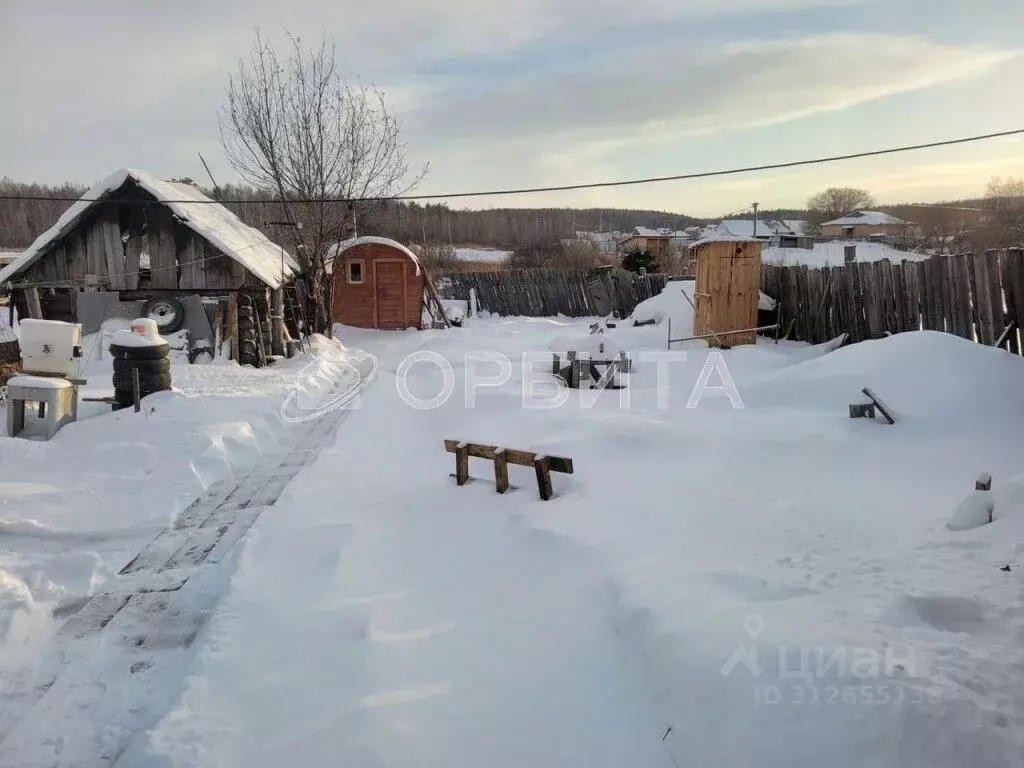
{"x":208,"y":219}
{"x":338,"y":249}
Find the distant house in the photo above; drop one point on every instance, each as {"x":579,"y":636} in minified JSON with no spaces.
{"x":657,"y":242}
{"x":789,"y":233}
{"x":861,"y":225}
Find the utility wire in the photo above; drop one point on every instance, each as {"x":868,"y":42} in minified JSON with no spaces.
{"x":569,"y":187}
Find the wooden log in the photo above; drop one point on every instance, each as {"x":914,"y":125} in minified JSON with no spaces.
{"x":542,"y":467}
{"x":500,"y":471}
{"x":461,"y":464}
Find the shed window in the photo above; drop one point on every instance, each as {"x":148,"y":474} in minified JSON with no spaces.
{"x":355,"y":271}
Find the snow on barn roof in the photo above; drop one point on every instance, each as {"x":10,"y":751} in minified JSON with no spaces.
{"x":338,"y":249}
{"x":208,"y":219}
{"x":864,"y":218}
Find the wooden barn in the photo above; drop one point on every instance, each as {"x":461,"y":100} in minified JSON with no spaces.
{"x":137,"y":238}
{"x":378,"y":283}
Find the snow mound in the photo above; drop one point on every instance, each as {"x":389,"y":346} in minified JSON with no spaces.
{"x":926,"y":374}
{"x":974,"y":511}
{"x":674,"y":304}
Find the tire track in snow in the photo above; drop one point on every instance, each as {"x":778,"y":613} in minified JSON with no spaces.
{"x":125,"y":649}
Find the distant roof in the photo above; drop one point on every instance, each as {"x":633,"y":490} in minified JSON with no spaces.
{"x":765,"y":228}
{"x":649,"y":232}
{"x":208,"y":219}
{"x":864,"y":218}
{"x":338,"y":249}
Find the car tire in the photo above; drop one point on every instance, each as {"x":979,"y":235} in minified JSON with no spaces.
{"x":148,"y":352}
{"x":146,"y":367}
{"x":167,"y":312}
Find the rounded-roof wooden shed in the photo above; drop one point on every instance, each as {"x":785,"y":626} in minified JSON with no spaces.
{"x":377,"y":283}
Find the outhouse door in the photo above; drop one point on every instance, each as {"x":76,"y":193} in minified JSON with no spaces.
{"x":727,"y":291}
{"x":389,"y":282}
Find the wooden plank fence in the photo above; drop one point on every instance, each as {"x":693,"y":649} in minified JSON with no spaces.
{"x":975,"y":296}
{"x":546,"y":292}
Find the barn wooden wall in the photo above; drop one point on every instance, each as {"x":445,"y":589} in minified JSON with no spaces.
{"x":179,"y":258}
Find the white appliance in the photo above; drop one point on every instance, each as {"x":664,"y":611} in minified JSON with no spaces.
{"x":50,"y":347}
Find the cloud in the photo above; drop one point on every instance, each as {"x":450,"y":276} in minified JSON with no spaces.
{"x":670,"y":91}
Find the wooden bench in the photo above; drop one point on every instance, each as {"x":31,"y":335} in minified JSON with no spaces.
{"x":542,"y":464}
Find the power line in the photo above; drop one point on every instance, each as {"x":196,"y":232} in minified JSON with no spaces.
{"x":566,"y":187}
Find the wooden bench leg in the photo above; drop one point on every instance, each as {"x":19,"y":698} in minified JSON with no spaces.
{"x":461,"y":464}
{"x":500,"y":471}
{"x":542,"y":466}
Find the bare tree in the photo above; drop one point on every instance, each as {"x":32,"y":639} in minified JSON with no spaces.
{"x":835,"y":202}
{"x":292,"y":124}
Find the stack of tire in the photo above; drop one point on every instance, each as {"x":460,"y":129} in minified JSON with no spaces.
{"x":10,"y":355}
{"x":248,"y":337}
{"x":149,"y":355}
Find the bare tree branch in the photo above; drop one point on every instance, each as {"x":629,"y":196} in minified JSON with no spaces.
{"x":292,"y":124}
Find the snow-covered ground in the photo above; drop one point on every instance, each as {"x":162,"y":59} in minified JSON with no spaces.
{"x":831,"y":254}
{"x":773,"y":584}
{"x":76,"y":509}
{"x":481,"y":255}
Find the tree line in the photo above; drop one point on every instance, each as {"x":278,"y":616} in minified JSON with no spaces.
{"x":21,"y":221}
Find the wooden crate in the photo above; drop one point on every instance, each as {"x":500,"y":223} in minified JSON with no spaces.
{"x":726,"y":291}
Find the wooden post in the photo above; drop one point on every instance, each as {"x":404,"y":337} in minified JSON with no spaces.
{"x":542,"y":466}
{"x":136,"y":390}
{"x":277,"y":322}
{"x":35,"y":307}
{"x":461,"y":464}
{"x":232,"y":329}
{"x":218,"y":332}
{"x":500,"y":471}
{"x":984,"y":482}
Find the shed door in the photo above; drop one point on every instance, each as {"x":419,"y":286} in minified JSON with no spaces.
{"x":389,"y":282}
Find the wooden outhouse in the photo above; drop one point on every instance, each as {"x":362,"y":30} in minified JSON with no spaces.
{"x":377,"y":283}
{"x":727,"y":290}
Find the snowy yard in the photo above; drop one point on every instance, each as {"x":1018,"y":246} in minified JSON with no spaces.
{"x":769,"y":585}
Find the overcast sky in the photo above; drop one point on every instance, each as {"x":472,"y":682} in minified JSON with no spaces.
{"x":542,"y":92}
